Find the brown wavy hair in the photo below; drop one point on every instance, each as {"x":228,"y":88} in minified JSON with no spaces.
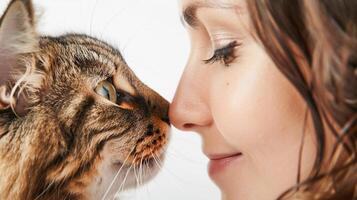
{"x":314,"y":44}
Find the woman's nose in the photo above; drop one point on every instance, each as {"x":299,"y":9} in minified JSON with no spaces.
{"x":190,"y":109}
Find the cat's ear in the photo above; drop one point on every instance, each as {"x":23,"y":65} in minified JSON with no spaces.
{"x":17,"y":29}
{"x":17,"y":36}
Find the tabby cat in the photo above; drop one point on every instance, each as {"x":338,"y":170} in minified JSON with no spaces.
{"x":75,"y":122}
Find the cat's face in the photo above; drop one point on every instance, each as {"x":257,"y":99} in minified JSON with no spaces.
{"x":90,"y":119}
{"x":110,"y":115}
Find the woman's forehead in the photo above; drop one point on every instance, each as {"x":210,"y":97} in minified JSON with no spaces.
{"x":211,"y":3}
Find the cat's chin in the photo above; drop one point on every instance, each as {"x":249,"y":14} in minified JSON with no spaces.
{"x":140,"y":174}
{"x":114,"y":177}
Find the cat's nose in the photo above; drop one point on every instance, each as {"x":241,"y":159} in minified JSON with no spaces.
{"x":166,"y":119}
{"x":159,"y":107}
{"x":161,"y":111}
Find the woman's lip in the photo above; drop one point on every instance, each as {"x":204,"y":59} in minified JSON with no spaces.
{"x":223,"y":156}
{"x":219,"y":162}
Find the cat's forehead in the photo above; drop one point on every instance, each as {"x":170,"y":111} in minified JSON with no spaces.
{"x":88,"y":54}
{"x":90,"y":57}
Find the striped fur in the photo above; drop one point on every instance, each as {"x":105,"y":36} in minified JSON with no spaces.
{"x":70,"y":142}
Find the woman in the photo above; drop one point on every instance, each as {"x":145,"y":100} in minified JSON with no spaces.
{"x":271,"y":87}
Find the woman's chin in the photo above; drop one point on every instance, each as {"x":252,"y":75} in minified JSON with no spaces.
{"x":224,"y":172}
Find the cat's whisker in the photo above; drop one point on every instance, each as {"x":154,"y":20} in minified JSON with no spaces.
{"x":136,"y":176}
{"x":147,"y":191}
{"x":189,"y":161}
{"x":157,"y":159}
{"x":150,"y":173}
{"x":121,"y":187}
{"x":105,"y":27}
{"x":178,"y":154}
{"x":92,"y":18}
{"x":183,"y":182}
{"x":141,"y":171}
{"x":148,"y":165}
{"x":142,"y":168}
{"x":45,"y":190}
{"x":117,"y":174}
{"x":157,"y":163}
{"x":167,"y":170}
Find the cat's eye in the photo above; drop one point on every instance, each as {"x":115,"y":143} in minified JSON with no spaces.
{"x":107,"y":90}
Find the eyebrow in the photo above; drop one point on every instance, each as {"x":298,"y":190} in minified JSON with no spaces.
{"x":189,"y":16}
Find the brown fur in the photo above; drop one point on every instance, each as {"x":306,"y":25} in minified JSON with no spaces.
{"x":53,"y":150}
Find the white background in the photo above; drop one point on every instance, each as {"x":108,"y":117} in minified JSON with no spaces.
{"x":154,"y":43}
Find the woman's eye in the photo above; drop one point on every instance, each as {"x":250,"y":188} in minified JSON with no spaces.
{"x":226,"y":54}
{"x":107,"y":90}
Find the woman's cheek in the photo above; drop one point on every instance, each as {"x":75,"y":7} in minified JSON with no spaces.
{"x":253,"y":103}
{"x":259,"y":113}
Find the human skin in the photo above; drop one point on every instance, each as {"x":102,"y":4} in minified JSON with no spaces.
{"x":247,"y":111}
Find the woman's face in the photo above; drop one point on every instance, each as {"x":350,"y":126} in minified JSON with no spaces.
{"x":249,"y":116}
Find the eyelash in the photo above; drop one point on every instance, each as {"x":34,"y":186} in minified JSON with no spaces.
{"x":226,"y":54}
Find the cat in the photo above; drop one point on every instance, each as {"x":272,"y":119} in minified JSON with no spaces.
{"x":75,"y":122}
